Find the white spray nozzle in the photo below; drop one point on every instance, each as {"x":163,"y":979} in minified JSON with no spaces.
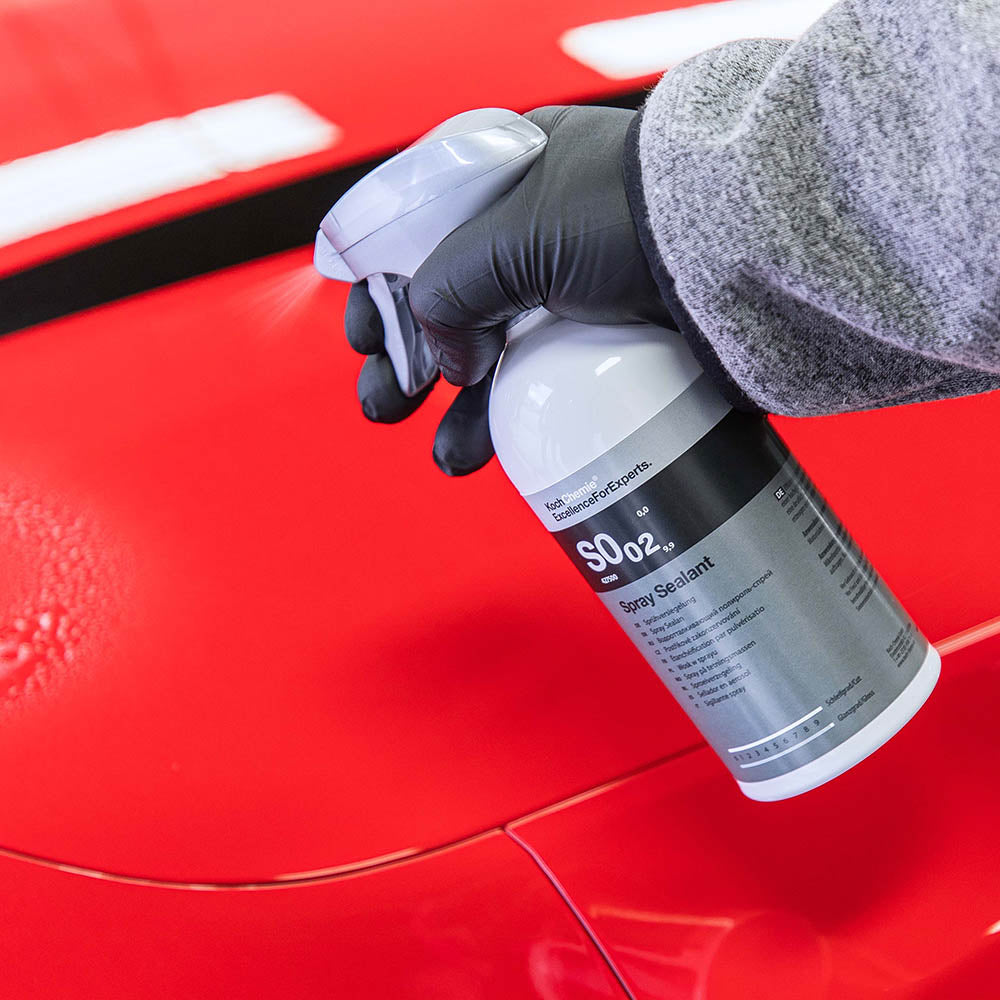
{"x":388,"y":223}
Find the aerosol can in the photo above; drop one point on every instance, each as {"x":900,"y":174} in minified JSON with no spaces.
{"x":691,"y":521}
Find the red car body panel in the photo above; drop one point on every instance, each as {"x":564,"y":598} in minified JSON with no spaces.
{"x":384,"y":72}
{"x":268,"y":641}
{"x":881,"y":884}
{"x":477,"y":920}
{"x":298,"y":646}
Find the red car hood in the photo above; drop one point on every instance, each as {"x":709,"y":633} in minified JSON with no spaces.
{"x":247,"y":635}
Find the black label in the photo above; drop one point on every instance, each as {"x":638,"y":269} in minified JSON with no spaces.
{"x":675,"y":509}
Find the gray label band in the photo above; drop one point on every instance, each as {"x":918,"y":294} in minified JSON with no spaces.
{"x":679,"y":505}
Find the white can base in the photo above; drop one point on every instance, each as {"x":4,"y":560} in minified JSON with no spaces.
{"x":855,"y":748}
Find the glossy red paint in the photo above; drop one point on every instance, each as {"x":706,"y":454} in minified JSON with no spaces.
{"x":476,"y":922}
{"x":74,"y":70}
{"x":881,"y":884}
{"x":256,"y":636}
{"x":247,"y":633}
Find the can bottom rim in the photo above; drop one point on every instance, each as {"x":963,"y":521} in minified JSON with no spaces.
{"x":855,"y":748}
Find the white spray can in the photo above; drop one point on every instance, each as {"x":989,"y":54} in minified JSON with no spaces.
{"x":692,"y":522}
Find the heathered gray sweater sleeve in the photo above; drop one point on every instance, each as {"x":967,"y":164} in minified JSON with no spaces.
{"x":823,"y":217}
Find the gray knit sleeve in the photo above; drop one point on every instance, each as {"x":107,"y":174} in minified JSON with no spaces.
{"x":823,"y":216}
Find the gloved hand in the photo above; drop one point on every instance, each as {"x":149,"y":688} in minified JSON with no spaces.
{"x":563,"y":237}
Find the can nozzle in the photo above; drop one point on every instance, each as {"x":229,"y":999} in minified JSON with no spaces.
{"x":387,"y":224}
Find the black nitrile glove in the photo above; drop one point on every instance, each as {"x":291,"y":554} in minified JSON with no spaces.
{"x":563,"y":238}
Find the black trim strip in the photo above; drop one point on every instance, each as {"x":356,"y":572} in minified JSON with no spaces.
{"x":213,"y":238}
{"x":222,"y":236}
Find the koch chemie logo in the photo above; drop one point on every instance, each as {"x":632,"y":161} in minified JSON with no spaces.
{"x":573,"y":501}
{"x":566,"y":499}
{"x":585,"y":490}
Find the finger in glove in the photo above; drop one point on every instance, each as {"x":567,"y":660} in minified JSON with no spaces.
{"x":462,"y":443}
{"x":378,"y":391}
{"x":362,"y":322}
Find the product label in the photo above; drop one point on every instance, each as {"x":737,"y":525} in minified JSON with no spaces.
{"x":714,"y":551}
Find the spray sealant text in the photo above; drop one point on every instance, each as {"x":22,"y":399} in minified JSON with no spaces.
{"x":668,"y":587}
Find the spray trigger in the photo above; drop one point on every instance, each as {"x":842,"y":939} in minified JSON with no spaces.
{"x":387,"y":225}
{"x":405,"y":343}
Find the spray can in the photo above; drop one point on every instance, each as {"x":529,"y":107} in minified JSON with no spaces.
{"x":691,"y":521}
